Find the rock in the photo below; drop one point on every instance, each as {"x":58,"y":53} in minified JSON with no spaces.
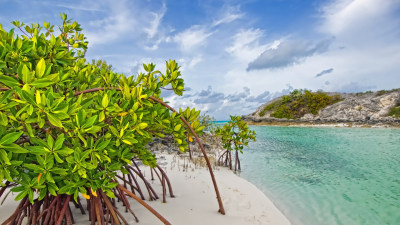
{"x":371,"y":108}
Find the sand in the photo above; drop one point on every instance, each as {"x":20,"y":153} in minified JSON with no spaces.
{"x":195,"y":202}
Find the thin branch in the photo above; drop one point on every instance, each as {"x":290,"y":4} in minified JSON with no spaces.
{"x":169,"y":89}
{"x":96,"y":89}
{"x":24,"y":32}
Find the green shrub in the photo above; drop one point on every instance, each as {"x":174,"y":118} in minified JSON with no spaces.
{"x":268,"y":107}
{"x":382,"y":92}
{"x":235,"y":135}
{"x":395,"y":112}
{"x":298,"y":103}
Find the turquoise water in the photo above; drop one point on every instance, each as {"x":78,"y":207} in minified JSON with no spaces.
{"x":328,"y":176}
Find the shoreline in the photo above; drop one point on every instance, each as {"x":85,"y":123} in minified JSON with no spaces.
{"x":297,"y":123}
{"x":195,"y":202}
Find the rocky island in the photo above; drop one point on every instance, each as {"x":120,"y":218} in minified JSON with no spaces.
{"x":303,"y":107}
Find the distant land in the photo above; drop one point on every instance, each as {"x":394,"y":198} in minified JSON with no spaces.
{"x":303,"y":107}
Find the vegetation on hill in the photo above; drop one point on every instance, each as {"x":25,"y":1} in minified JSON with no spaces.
{"x":395,"y":111}
{"x":298,"y":103}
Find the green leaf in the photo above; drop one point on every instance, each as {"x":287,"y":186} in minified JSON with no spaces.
{"x":142,"y":125}
{"x":30,"y":195}
{"x":59,"y":142}
{"x":10,"y":138}
{"x":15,"y":148}
{"x":41,"y":83}
{"x":89,"y":122}
{"x":126,"y":142}
{"x":26,"y":74}
{"x":40,"y":68}
{"x":2,"y":64}
{"x":28,"y":97}
{"x":58,"y":159}
{"x":52,"y":188}
{"x":50,"y":141}
{"x":21,"y":195}
{"x":9,"y":81}
{"x":59,"y":171}
{"x":93,"y":129}
{"x":18,"y":189}
{"x":4,"y":157}
{"x":38,"y":150}
{"x":49,"y":178}
{"x":177,"y":127}
{"x":42,"y":193}
{"x":110,"y":194}
{"x":3,"y":119}
{"x":54,"y":120}
{"x":103,"y":145}
{"x":65,"y":151}
{"x":102,"y":116}
{"x":7,"y":175}
{"x":105,"y":101}
{"x":34,"y":168}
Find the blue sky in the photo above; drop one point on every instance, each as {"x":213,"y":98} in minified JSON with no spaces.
{"x":236,"y":55}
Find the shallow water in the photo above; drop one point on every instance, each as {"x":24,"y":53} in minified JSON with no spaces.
{"x":328,"y":176}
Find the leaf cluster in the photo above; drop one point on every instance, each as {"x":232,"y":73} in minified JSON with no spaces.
{"x":67,"y":125}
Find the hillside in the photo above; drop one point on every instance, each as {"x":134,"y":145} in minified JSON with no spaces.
{"x":302,"y":106}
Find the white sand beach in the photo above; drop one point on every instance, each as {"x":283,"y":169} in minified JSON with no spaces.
{"x":195,"y":202}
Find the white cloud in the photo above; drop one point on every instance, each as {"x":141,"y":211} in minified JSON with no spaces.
{"x":116,"y":24}
{"x":194,"y":61}
{"x":192,"y":38}
{"x":361,"y":19}
{"x":246,"y":45}
{"x":230,"y":14}
{"x":152,"y":28}
{"x":365,"y":52}
{"x":90,"y":6}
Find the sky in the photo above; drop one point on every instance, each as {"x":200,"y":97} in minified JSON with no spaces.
{"x":237,"y":55}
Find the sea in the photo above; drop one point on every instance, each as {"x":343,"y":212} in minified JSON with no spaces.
{"x":328,"y":176}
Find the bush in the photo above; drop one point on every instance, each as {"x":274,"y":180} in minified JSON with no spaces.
{"x":382,"y":92}
{"x":395,"y":112}
{"x":69,"y":127}
{"x":298,"y":103}
{"x":234,"y":136}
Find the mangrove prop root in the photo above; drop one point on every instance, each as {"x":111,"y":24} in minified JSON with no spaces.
{"x":126,"y":202}
{"x":64,"y":208}
{"x":220,"y":159}
{"x":171,"y":193}
{"x":238,"y":160}
{"x":4,"y":188}
{"x":136,"y":183}
{"x":147,"y":184}
{"x":161,"y":218}
{"x":22,"y":205}
{"x":221,"y":206}
{"x":162,"y":181}
{"x":5,"y":197}
{"x":110,"y":207}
